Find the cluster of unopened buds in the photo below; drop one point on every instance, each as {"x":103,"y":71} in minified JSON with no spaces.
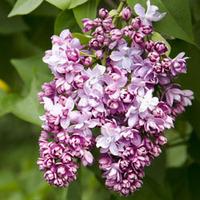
{"x":116,"y":93}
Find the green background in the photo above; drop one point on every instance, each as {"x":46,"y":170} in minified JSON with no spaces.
{"x":24,"y":36}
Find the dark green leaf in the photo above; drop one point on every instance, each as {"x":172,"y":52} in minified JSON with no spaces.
{"x":66,"y":20}
{"x":87,"y":10}
{"x":177,"y":179}
{"x":74,"y":190}
{"x":193,"y":147}
{"x":177,"y":22}
{"x":194,"y":180}
{"x":23,"y":7}
{"x":9,"y":26}
{"x":66,"y":4}
{"x":193,"y":116}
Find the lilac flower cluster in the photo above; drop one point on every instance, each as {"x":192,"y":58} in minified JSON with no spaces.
{"x":122,"y":84}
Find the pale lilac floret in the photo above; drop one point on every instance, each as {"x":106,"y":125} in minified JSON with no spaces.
{"x":124,"y":57}
{"x":178,"y":65}
{"x":147,"y":101}
{"x":151,"y":15}
{"x":108,"y":138}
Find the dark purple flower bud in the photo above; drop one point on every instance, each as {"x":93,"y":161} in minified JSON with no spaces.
{"x":136,"y":23}
{"x":179,"y":65}
{"x":106,"y":41}
{"x":161,"y":140}
{"x":87,"y":61}
{"x":116,"y":34}
{"x":158,"y":68}
{"x":103,"y":13}
{"x":146,"y":30}
{"x":79,"y":81}
{"x":126,"y":13}
{"x":112,"y":104}
{"x":88,"y":24}
{"x":76,"y":141}
{"x":154,"y":56}
{"x":160,"y":47}
{"x":56,"y":149}
{"x":99,"y":54}
{"x":105,"y":162}
{"x":166,"y":64}
{"x":123,"y":164}
{"x":128,"y":31}
{"x":107,"y":23}
{"x":97,"y":22}
{"x":138,"y":38}
{"x":149,"y":45}
{"x":48,"y":90}
{"x":49,"y":175}
{"x":94,"y":43}
{"x":100,"y":38}
{"x":98,"y":31}
{"x":73,"y":55}
{"x":126,"y":96}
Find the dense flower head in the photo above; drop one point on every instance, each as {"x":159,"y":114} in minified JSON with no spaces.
{"x":121,"y":85}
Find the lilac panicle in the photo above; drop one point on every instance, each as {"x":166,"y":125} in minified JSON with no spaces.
{"x":120,"y":83}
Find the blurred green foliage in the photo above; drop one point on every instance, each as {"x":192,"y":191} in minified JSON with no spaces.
{"x":24,"y":36}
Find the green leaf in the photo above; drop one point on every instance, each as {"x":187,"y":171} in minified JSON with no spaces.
{"x":178,"y":181}
{"x":10,"y":25}
{"x":28,"y":108}
{"x":193,"y":116}
{"x":193,"y":147}
{"x":87,"y":10}
{"x":30,"y":68}
{"x":66,"y":4}
{"x":74,"y":190}
{"x":66,"y":20}
{"x":156,"y":37}
{"x":84,"y":39}
{"x":6,"y":102}
{"x":176,"y":156}
{"x":33,"y":72}
{"x":23,"y":7}
{"x":194,"y":180}
{"x":177,"y":22}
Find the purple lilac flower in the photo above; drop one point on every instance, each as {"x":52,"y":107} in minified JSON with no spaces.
{"x":121,"y":83}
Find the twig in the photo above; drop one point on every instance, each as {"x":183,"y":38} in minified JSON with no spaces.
{"x":119,"y":9}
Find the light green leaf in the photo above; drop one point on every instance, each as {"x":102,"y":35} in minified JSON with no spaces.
{"x":156,"y":37}
{"x":66,"y":4}
{"x":84,"y":39}
{"x":65,"y":20}
{"x":29,"y":68}
{"x":6,"y":102}
{"x":113,"y":12}
{"x":87,"y":10}
{"x":33,"y":72}
{"x":176,"y":156}
{"x":177,"y":22}
{"x":23,"y":7}
{"x":28,"y":108}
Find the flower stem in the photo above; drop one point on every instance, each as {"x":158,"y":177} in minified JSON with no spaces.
{"x":119,"y":9}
